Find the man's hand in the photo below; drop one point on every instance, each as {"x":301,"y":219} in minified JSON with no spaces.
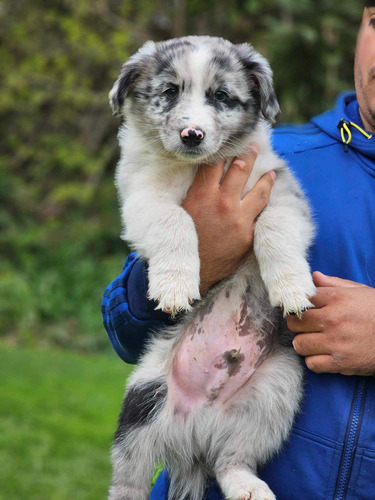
{"x":338,"y":335}
{"x":223,"y":219}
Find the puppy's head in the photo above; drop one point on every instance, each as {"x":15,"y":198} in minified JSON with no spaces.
{"x":198,"y":97}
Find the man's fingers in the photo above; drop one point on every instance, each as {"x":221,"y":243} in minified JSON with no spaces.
{"x":209,"y":175}
{"x":322,"y":280}
{"x":321,"y":363}
{"x":238,"y":173}
{"x":257,"y":198}
{"x":311,"y":321}
{"x":324,"y":296}
{"x":311,"y":344}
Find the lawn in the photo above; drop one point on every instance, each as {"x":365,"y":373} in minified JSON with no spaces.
{"x":58,"y":413}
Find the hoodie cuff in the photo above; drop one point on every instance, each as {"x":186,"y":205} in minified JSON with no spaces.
{"x":140,"y":306}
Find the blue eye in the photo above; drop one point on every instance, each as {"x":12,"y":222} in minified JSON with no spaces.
{"x":171,"y":92}
{"x":220,"y":95}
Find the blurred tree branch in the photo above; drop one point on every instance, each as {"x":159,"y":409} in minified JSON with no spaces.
{"x":58,"y":212}
{"x":179,"y":13}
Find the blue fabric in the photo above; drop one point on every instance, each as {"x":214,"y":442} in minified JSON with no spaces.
{"x":331,"y":451}
{"x":129,"y":317}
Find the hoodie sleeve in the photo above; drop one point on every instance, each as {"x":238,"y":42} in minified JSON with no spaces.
{"x":129,"y":317}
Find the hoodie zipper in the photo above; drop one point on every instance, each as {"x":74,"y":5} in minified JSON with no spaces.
{"x":351,"y":439}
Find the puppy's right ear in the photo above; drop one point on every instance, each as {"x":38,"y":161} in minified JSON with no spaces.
{"x":122,"y":85}
{"x":130,"y":73}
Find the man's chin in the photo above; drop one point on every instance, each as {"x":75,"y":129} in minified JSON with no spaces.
{"x":366,"y":100}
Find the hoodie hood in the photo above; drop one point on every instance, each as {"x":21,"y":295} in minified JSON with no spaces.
{"x":346,"y":108}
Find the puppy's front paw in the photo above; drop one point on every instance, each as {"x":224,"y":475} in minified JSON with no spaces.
{"x":240,"y":485}
{"x":258,"y":492}
{"x":174,"y":290}
{"x":292,"y":294}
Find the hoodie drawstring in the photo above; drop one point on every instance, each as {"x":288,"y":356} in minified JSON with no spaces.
{"x":344,"y":127}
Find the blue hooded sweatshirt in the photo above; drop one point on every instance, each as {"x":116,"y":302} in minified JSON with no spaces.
{"x":331,"y":450}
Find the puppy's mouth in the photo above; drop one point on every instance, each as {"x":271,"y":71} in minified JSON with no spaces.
{"x":190,"y":152}
{"x":194,"y":153}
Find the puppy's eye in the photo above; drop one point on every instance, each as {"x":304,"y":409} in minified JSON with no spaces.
{"x":171,"y":92}
{"x":220,"y":95}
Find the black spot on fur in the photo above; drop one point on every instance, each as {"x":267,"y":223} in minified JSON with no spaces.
{"x":285,"y":336}
{"x":251,"y":66}
{"x":126,"y":81}
{"x":230,"y":102}
{"x":174,"y":45}
{"x":164,"y":65}
{"x":255,"y":93}
{"x":140,"y":405}
{"x":222,"y":61}
{"x":259,"y":79}
{"x":172,"y":49}
{"x":243,"y":130}
{"x":170,"y":104}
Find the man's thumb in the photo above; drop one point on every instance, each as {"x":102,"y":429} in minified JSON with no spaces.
{"x":322,"y":280}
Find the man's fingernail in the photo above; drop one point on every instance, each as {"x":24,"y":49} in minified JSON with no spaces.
{"x":254,"y":148}
{"x":273,"y":175}
{"x":240,"y":164}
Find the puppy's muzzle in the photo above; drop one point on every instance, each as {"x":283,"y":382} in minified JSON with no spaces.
{"x":192,"y":136}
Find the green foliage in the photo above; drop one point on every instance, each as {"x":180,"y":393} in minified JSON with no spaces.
{"x":57,"y":418}
{"x":59,"y":221}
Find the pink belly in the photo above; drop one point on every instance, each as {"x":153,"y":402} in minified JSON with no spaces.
{"x":216,"y":356}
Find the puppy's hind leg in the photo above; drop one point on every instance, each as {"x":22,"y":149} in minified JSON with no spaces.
{"x":134,"y":451}
{"x":257,"y":423}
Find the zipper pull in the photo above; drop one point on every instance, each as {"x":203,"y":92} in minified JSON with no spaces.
{"x":344,"y":127}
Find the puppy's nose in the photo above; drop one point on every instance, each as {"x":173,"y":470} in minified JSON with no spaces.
{"x":192,"y":136}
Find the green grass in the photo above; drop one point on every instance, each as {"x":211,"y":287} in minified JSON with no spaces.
{"x":58,"y":413}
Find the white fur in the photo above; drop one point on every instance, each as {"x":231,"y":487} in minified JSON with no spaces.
{"x":152,"y":189}
{"x":243,"y":485}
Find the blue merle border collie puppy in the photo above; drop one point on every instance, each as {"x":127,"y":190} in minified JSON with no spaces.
{"x":216,"y":394}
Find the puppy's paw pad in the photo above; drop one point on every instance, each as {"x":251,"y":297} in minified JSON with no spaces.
{"x":296,"y":313}
{"x":261,"y":492}
{"x":293,"y":297}
{"x":241,"y":485}
{"x":296,"y":308}
{"x":172,"y":305}
{"x":174,"y":291}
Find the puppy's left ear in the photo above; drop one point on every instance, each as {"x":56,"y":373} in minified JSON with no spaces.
{"x":130,"y":73}
{"x":260,"y":76}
